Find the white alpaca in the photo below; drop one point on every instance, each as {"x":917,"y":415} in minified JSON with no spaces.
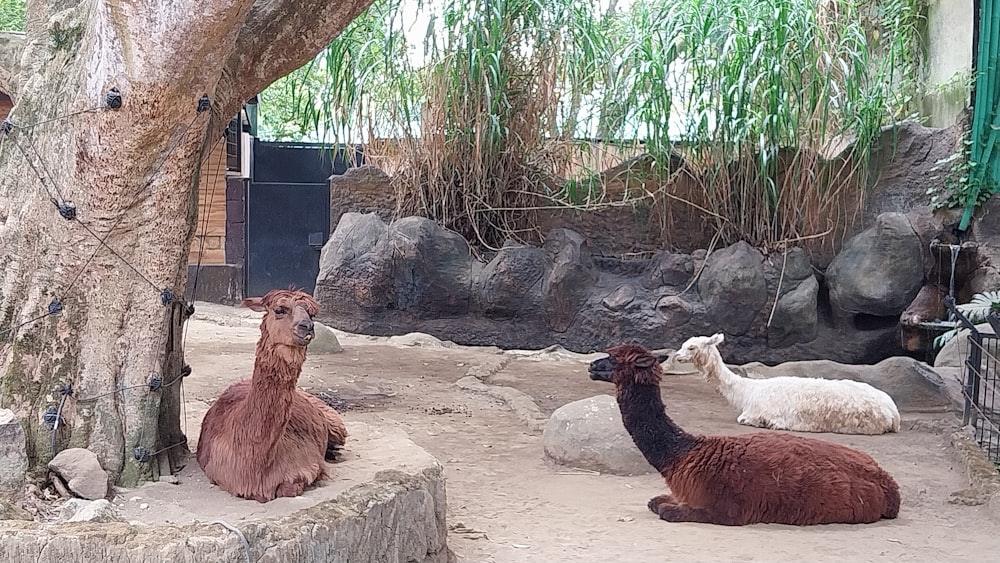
{"x":802,"y":404}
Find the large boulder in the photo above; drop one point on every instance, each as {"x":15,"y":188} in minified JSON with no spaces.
{"x":568,"y":282}
{"x":795,"y":315}
{"x":355,"y":275}
{"x":912,"y":384}
{"x":433,"y":268}
{"x":588,"y":434}
{"x":511,"y":281}
{"x":13,"y":452}
{"x":413,"y":265}
{"x":880,"y":270}
{"x":733,"y":287}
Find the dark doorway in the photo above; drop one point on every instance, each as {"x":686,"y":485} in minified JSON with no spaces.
{"x":288,"y":214}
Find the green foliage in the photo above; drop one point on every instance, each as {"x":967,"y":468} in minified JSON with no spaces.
{"x":976,"y":310}
{"x":958,"y":185}
{"x":750,"y":94}
{"x":12,"y":15}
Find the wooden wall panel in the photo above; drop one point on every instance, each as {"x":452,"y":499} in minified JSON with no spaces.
{"x":211,"y":209}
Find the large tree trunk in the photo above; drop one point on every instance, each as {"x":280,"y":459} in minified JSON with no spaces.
{"x":132,"y":175}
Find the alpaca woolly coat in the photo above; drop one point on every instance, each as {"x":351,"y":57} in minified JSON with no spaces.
{"x":764,"y":477}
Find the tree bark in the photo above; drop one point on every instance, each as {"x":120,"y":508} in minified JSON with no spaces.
{"x":132,"y":175}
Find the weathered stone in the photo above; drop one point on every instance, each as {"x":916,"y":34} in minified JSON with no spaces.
{"x":13,"y":452}
{"x":588,"y":434}
{"x":355,"y":277}
{"x":733,"y":287}
{"x":619,"y":298}
{"x":361,"y":189}
{"x":82,"y":472}
{"x":432,"y":268}
{"x":668,"y":268}
{"x":795,"y":315}
{"x":80,"y":510}
{"x":566,"y":287}
{"x":325,"y":342}
{"x":512,"y":282}
{"x":912,"y":384}
{"x":880,"y":270}
{"x":955,"y":352}
{"x":674,"y":310}
{"x":395,"y":513}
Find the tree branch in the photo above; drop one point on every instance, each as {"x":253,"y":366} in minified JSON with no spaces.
{"x":278,"y":37}
{"x":11,"y":46}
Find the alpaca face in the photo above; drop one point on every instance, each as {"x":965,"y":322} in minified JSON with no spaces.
{"x":695,"y":349}
{"x":288,"y":316}
{"x":627,"y":363}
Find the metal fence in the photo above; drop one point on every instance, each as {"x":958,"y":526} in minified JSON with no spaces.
{"x":982,"y":379}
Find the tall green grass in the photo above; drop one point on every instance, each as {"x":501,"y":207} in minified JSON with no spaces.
{"x":757,"y":98}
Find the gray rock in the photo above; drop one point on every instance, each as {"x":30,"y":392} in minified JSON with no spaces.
{"x":355,"y":278}
{"x":619,"y":298}
{"x":880,"y":270}
{"x":80,"y":510}
{"x":13,"y":451}
{"x":956,"y":351}
{"x":733,"y":287}
{"x":82,"y":472}
{"x":588,"y":434}
{"x":512,"y":282}
{"x":432,"y":268}
{"x":674,"y":310}
{"x":567,"y":285}
{"x":795,"y":315}
{"x":912,"y":384}
{"x":668,"y":268}
{"x":325,"y":342}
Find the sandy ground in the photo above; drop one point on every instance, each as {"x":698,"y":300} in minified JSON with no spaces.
{"x":508,"y":503}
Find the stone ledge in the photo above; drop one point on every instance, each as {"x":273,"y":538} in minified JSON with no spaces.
{"x":396,"y":516}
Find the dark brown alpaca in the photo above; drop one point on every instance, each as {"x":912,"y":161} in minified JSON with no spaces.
{"x":762,"y":477}
{"x":263,"y":437}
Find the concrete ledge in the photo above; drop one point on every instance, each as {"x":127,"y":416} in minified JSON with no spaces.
{"x":396,"y":516}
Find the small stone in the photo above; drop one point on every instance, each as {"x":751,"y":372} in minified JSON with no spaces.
{"x":325,"y":341}
{"x":71,"y":507}
{"x":82,"y":472}
{"x":144,"y":506}
{"x":99,"y":510}
{"x":172,"y":479}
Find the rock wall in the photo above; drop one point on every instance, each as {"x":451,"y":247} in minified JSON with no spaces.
{"x":413,"y":275}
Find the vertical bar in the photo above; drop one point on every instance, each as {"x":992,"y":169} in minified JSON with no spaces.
{"x":973,"y":364}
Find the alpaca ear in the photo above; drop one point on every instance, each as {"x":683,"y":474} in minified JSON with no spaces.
{"x":716,"y":339}
{"x":645,"y":362}
{"x":660,"y":358}
{"x":254,"y":304}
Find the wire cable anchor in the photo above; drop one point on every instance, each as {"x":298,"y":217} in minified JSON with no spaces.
{"x":204,"y":103}
{"x":113,"y":99}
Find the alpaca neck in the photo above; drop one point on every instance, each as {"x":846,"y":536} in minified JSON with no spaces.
{"x":272,"y":389}
{"x":660,"y":440}
{"x":730,"y":385}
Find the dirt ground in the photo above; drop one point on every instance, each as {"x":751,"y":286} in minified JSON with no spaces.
{"x":508,"y":503}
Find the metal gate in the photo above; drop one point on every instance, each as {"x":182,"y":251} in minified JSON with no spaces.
{"x":288,"y":214}
{"x":982,"y":383}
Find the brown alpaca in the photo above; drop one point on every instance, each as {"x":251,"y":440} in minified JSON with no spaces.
{"x":263,"y":437}
{"x":762,"y":477}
